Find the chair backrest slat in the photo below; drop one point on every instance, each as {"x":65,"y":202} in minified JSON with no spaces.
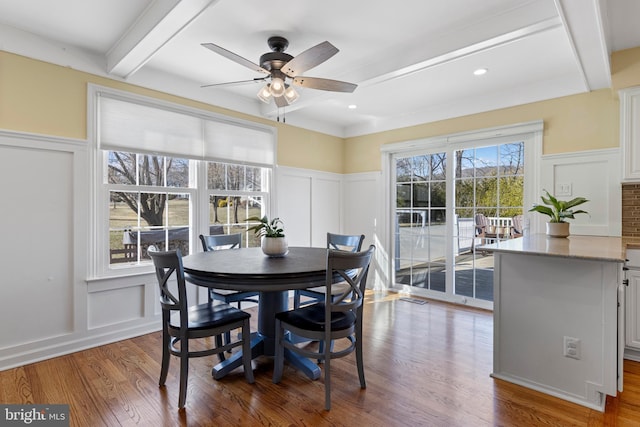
{"x":215,"y":242}
{"x":351,"y":268}
{"x":168,"y":264}
{"x":345,"y":242}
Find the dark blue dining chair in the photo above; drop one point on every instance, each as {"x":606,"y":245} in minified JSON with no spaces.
{"x":342,"y":242}
{"x":215,"y":242}
{"x":181,"y":323}
{"x":338,"y":317}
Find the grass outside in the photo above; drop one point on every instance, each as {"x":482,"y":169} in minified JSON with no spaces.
{"x":121,"y":218}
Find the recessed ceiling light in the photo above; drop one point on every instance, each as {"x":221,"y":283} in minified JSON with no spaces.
{"x":480,"y":71}
{"x":352,"y":107}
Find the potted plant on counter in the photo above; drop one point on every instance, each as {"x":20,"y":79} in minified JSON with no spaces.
{"x":274,"y":242}
{"x":558,"y":211}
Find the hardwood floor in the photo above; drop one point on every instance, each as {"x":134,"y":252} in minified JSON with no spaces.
{"x":425,"y":365}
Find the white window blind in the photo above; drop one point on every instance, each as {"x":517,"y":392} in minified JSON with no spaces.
{"x":228,"y":141}
{"x":134,"y":127}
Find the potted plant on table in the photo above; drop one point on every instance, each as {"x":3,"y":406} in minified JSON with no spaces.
{"x":274,"y":242}
{"x":558,"y":211}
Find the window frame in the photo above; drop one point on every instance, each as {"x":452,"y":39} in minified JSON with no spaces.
{"x":98,"y":239}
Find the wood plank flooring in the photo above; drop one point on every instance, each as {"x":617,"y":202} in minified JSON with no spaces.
{"x":425,"y":365}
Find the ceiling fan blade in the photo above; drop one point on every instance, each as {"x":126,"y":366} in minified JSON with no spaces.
{"x":310,"y":58}
{"x":324,"y":84}
{"x":235,"y":57}
{"x":240,"y":82}
{"x":281,"y":101}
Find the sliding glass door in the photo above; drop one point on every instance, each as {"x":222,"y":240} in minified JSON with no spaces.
{"x":420,"y":235}
{"x":489,"y":183}
{"x":447,"y":204}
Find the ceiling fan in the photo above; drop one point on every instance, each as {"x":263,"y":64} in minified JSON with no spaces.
{"x":283,"y":70}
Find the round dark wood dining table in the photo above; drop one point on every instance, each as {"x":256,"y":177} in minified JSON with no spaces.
{"x":249,"y":269}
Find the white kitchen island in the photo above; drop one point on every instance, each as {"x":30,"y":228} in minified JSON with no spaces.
{"x":557,"y":321}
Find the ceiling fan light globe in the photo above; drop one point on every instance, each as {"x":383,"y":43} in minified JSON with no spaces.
{"x":291,"y":95}
{"x":277,"y":87}
{"x":265,"y":94}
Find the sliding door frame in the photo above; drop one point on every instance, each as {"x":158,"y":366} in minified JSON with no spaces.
{"x":530,"y":132}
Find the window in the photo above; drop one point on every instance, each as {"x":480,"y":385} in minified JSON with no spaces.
{"x":421,"y":218}
{"x":236,"y":193}
{"x":165,"y":173}
{"x":148,"y":205}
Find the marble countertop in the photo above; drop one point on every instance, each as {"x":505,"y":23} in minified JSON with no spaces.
{"x":597,"y":248}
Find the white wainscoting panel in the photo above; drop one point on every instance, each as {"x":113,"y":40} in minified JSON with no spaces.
{"x":363,"y":215}
{"x":37,"y":250}
{"x":362,"y":202}
{"x":293,"y":205}
{"x":326,"y":205}
{"x":115,"y":306}
{"x":593,"y":174}
{"x":313,"y":203}
{"x":310,"y":204}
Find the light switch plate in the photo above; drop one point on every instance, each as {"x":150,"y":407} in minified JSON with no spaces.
{"x":563,"y":189}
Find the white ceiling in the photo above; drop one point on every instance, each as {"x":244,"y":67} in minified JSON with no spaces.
{"x":412,"y":59}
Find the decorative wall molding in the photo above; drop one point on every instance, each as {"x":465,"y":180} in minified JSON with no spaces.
{"x":594,"y":174}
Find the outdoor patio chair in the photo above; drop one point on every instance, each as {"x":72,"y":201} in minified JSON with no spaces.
{"x":480,"y":230}
{"x":516,"y":226}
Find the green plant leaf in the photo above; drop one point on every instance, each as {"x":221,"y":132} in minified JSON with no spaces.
{"x":542,"y":209}
{"x":575,"y":202}
{"x":558,"y":210}
{"x":266,"y":228}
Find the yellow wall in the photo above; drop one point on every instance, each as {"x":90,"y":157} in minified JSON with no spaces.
{"x":572,"y":123}
{"x":38,"y":97}
{"x":625,"y":68}
{"x":311,"y":150}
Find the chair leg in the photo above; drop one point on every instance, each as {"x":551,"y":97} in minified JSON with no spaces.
{"x":327,"y":381}
{"x":246,"y":351}
{"x":359,"y":358}
{"x":227,"y":335}
{"x":296,"y":299}
{"x":227,"y":338}
{"x":278,"y":360}
{"x":184,"y":372}
{"x":166,"y":357}
{"x":221,"y":357}
{"x":321,"y":348}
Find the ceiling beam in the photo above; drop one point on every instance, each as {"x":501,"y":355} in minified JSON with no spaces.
{"x":585,"y":24}
{"x":158,"y":24}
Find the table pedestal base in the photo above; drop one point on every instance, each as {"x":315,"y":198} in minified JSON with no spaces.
{"x":309,"y":368}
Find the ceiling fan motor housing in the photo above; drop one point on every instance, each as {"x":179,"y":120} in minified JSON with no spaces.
{"x":274,"y":60}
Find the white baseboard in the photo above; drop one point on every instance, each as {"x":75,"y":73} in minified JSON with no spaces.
{"x":59,"y":346}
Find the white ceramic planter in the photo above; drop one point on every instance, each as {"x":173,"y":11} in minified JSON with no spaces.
{"x":275,"y":246}
{"x":558,"y":229}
